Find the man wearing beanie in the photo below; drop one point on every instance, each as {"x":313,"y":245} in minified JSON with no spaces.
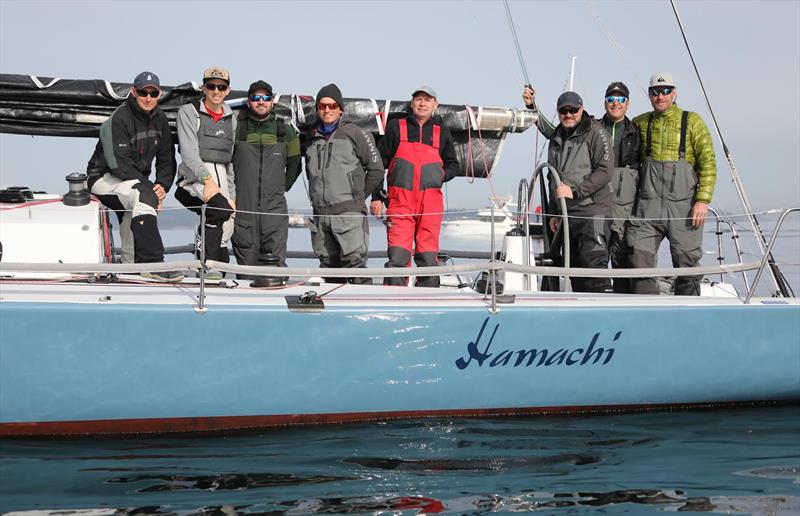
{"x":266,"y":163}
{"x":343,"y":167}
{"x":679,"y":169}
{"x":206,"y":128}
{"x":119,"y":172}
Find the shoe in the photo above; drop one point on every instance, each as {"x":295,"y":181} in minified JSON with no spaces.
{"x":215,"y":275}
{"x":165,"y":277}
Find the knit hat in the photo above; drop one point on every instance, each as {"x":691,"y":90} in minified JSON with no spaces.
{"x":332,"y":91}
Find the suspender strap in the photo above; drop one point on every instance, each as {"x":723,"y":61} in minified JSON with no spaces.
{"x":436,"y":130}
{"x":649,"y":149}
{"x":403,"y":130}
{"x":682,"y":146}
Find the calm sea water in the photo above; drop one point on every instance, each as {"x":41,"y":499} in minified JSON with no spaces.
{"x":744,"y":461}
{"x":721,"y":462}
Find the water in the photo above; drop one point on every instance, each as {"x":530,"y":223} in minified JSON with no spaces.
{"x":744,"y":461}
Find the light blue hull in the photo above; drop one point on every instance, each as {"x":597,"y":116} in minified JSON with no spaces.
{"x":62,"y":362}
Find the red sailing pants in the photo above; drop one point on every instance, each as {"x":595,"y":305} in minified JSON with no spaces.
{"x":415,"y":179}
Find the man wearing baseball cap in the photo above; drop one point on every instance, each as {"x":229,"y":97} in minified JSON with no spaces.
{"x":206,"y":129}
{"x":419,"y":154}
{"x":266,"y":163}
{"x":676,"y":184}
{"x":580,"y":152}
{"x":135,"y":134}
{"x":624,"y":176}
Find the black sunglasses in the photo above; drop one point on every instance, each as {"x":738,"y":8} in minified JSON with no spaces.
{"x":571,"y":110}
{"x":148,"y":93}
{"x":211,"y":86}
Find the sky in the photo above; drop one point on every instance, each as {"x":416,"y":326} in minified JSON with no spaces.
{"x":747,"y":52}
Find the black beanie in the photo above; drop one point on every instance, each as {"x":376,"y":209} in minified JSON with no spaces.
{"x":332,"y":91}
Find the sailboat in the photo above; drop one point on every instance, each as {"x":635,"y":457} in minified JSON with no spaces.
{"x":87,"y":347}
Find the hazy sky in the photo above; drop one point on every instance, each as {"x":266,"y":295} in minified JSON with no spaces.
{"x":747,"y":52}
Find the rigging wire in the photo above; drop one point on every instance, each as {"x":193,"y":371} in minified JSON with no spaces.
{"x":516,"y":43}
{"x":616,"y":46}
{"x":777,"y":277}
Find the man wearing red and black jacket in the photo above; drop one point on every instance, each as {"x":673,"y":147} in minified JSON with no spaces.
{"x":419,"y":154}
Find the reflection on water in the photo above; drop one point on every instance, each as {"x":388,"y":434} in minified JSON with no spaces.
{"x":724,"y":462}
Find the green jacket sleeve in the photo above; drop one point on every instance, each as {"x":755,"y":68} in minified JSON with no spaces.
{"x":705,"y":160}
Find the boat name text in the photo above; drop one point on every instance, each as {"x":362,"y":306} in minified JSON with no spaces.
{"x":534,"y":357}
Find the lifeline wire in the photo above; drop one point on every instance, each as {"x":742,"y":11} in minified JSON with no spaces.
{"x":516,"y":42}
{"x":777,"y":276}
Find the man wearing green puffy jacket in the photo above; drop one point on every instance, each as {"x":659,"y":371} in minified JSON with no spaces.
{"x":676,"y":184}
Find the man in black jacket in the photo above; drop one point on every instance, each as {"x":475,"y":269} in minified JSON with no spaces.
{"x":119,"y":171}
{"x":625,"y":142}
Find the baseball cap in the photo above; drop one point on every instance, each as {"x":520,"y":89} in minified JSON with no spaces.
{"x":145,"y":79}
{"x":661,"y":79}
{"x":617,"y":87}
{"x":216,"y":72}
{"x":569,"y":98}
{"x":424,"y":89}
{"x":260,"y":85}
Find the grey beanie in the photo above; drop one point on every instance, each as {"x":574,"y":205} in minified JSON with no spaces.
{"x":332,"y":91}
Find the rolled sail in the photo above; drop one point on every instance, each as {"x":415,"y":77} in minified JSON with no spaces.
{"x":68,"y":107}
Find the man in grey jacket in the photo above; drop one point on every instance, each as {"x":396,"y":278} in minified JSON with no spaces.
{"x":343,"y":167}
{"x":579,"y":150}
{"x":206,"y":130}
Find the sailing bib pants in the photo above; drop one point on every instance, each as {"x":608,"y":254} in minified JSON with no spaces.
{"x":414,"y":215}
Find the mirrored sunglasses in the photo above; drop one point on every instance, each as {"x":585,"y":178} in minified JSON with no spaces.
{"x":256,"y":98}
{"x":655,"y":92}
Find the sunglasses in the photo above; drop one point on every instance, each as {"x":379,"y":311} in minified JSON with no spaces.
{"x":655,"y":92}
{"x":611,"y":99}
{"x":211,"y":86}
{"x":570,"y":110}
{"x":330,"y":106}
{"x":148,"y":93}
{"x":256,"y":98}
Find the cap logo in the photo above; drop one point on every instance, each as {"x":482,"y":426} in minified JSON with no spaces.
{"x":660,"y":79}
{"x":149,"y":77}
